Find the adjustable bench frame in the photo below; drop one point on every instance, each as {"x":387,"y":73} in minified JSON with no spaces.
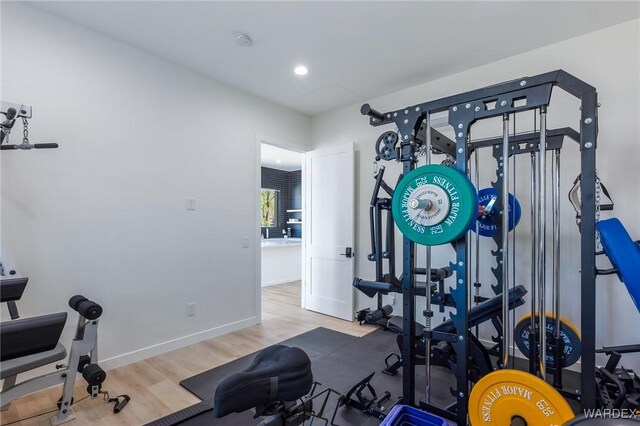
{"x":84,"y":352}
{"x":86,"y":344}
{"x":441,"y":351}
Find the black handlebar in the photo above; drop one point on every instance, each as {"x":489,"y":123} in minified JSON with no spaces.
{"x":376,"y":188}
{"x":367,"y":110}
{"x":27,"y":147}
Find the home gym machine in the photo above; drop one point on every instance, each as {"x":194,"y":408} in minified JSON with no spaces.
{"x":437,"y":204}
{"x":29,"y":343}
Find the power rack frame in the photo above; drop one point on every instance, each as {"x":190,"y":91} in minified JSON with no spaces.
{"x":500,"y":100}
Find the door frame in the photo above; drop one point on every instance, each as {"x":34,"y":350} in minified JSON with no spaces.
{"x":280,"y":143}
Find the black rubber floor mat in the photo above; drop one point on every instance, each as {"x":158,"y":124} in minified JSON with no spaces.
{"x":203,"y":385}
{"x":338,"y":361}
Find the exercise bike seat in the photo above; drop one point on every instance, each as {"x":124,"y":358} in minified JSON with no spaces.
{"x":623,"y":253}
{"x":277,"y":373}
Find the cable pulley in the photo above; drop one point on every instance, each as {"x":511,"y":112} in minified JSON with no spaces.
{"x":386,"y":146}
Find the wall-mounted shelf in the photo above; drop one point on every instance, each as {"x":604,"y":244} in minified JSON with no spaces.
{"x":295,"y":218}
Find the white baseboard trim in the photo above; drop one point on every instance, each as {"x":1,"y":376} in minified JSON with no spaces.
{"x":180,"y":342}
{"x":290,"y":280}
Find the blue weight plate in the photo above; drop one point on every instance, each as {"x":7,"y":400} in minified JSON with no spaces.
{"x":487,"y":221}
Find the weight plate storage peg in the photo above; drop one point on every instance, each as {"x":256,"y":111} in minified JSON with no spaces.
{"x":434,"y":204}
{"x":568,"y":334}
{"x":515,"y":398}
{"x":489,"y":217}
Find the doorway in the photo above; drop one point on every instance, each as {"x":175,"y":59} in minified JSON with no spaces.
{"x":281,"y":228}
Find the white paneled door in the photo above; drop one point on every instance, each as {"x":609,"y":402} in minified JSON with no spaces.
{"x":330,"y":231}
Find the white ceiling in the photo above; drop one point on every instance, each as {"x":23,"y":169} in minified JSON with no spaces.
{"x":278,"y":158}
{"x":354,"y":50}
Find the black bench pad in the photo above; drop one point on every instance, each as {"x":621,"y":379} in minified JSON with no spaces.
{"x":28,"y":336}
{"x":11,"y":289}
{"x":277,"y":373}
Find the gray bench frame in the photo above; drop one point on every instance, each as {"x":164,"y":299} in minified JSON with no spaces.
{"x":85,"y":342}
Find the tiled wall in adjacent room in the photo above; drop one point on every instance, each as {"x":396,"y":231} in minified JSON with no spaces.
{"x":290,"y":197}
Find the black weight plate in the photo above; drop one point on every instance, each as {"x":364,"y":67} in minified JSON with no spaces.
{"x":568,"y":333}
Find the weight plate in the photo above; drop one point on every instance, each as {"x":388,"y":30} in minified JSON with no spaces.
{"x":504,"y":395}
{"x":487,"y":220}
{"x":434,"y":205}
{"x":568,"y":333}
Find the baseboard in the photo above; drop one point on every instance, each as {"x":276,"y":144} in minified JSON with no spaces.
{"x":270,"y":283}
{"x":170,"y":345}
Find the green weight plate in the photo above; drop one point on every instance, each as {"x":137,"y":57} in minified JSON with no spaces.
{"x":434,"y":205}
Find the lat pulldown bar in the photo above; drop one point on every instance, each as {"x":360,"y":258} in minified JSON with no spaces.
{"x":12,"y":112}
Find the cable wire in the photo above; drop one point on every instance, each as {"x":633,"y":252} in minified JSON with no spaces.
{"x":42,"y":414}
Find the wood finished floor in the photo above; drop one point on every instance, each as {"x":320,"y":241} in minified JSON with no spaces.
{"x":153,"y":383}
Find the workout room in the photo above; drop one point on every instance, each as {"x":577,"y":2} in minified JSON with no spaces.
{"x":308,"y":212}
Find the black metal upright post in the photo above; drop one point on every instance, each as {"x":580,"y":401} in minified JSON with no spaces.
{"x":408,"y":301}
{"x":588,"y":139}
{"x":377,"y":214}
{"x":461,"y":118}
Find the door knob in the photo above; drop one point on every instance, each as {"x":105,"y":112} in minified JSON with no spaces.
{"x":348,"y":252}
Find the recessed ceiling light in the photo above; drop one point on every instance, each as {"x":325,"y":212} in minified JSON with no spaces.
{"x":301,"y":70}
{"x":278,"y":161}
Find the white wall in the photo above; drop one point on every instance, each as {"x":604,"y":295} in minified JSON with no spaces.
{"x":607,"y":59}
{"x":105,"y":214}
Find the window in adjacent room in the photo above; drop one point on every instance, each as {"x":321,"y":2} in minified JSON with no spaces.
{"x":269,"y":207}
